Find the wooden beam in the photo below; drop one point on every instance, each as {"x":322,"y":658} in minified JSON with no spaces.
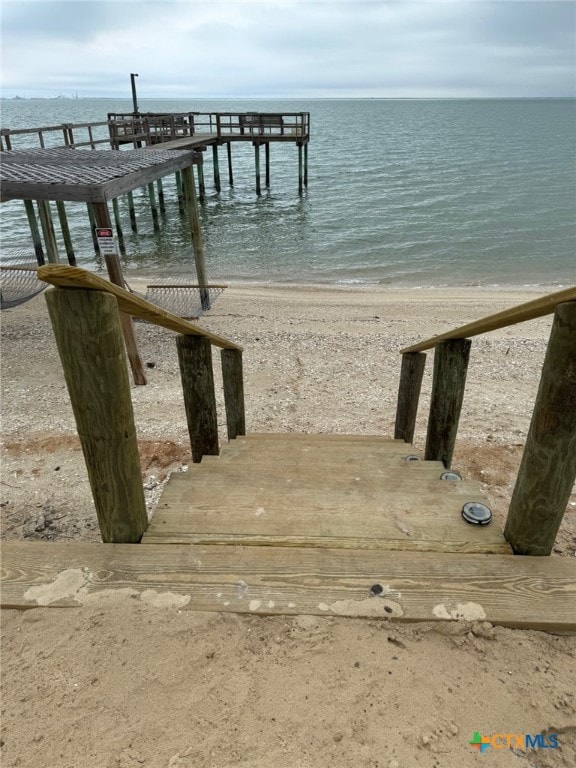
{"x":196,"y":232}
{"x":87,"y":330}
{"x":450,"y":366}
{"x":34,"y":231}
{"x":74,"y":277}
{"x":411,"y":374}
{"x":48,"y":231}
{"x":233,"y":380}
{"x":548,"y":468}
{"x":195,"y":357}
{"x":544,"y":305}
{"x":521,"y":592}
{"x":66,"y":233}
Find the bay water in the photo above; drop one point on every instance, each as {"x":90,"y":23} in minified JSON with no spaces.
{"x":401,"y":192}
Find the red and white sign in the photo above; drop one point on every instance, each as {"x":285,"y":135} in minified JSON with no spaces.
{"x":106,"y":242}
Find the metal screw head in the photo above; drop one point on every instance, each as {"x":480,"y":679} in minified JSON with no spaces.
{"x":451,"y":475}
{"x":476,"y":513}
{"x":376,"y":589}
{"x":412,"y":458}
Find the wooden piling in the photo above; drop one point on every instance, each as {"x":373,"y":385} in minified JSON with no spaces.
{"x":161,"y":201}
{"x":198,"y":245}
{"x":306,"y":165}
{"x":449,"y":380}
{"x":267,"y":162}
{"x":34,"y":231}
{"x":118,"y":223}
{"x":179,"y":193}
{"x":132,"y":212}
{"x":411,"y":374}
{"x":548,"y":468}
{"x":216,"y":167}
{"x":229,"y":155}
{"x":201,"y":184}
{"x":48,"y":231}
{"x":153,"y":207}
{"x":63,"y":219}
{"x":257,"y":163}
{"x":195,"y":358}
{"x":102,"y":219}
{"x":300,"y":175}
{"x":92,"y":220}
{"x":87,"y":329}
{"x":233,"y":380}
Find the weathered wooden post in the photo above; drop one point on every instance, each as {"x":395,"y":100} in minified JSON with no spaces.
{"x":267,"y":162}
{"x":233,"y":380}
{"x":102,"y":219}
{"x":300,"y":176}
{"x":153,"y":208}
{"x":548,"y":468}
{"x":257,"y":163}
{"x":179,"y":193}
{"x":216,"y":167}
{"x":34,"y":231}
{"x":195,"y":357}
{"x":92,"y":220}
{"x":198,"y":245}
{"x":229,"y":154}
{"x":306,"y":165}
{"x":201,"y":184}
{"x":411,"y":374}
{"x":450,"y":366}
{"x":161,"y":201}
{"x":132,"y":212}
{"x":118,"y":223}
{"x":61,"y":209}
{"x":48,"y":231}
{"x":87,"y":329}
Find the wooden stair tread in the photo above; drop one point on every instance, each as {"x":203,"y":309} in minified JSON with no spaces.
{"x":323,"y":449}
{"x":319,"y":438}
{"x":524,"y":592}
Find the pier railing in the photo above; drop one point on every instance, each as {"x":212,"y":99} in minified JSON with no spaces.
{"x":548,"y":468}
{"x":84,"y":312}
{"x":73,"y":135}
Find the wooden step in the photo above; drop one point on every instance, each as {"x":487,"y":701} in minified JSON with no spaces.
{"x":285,"y":450}
{"x":523,"y":592}
{"x":318,"y":437}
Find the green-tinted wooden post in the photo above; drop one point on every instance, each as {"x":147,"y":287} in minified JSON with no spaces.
{"x":201,"y":184}
{"x":179,"y":193}
{"x":161,"y":201}
{"x":548,"y":468}
{"x":300,"y":176}
{"x":411,"y":374}
{"x":194,"y":220}
{"x":48,"y":231}
{"x":153,"y":207}
{"x":267,"y":164}
{"x":195,"y":357}
{"x":118,"y":223}
{"x":306,"y":165}
{"x":450,"y":366}
{"x":233,"y":380}
{"x":216,"y":167}
{"x":132,"y":212}
{"x":93,"y":227}
{"x":257,"y":163}
{"x":66,"y":233}
{"x":87,"y":329}
{"x":34,"y":231}
{"x":229,"y":155}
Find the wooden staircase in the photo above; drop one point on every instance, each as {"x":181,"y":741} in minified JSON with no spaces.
{"x":329,"y":491}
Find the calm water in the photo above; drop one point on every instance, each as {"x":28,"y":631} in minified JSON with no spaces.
{"x":400,"y":192}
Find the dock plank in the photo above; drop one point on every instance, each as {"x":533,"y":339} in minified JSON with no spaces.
{"x":523,"y":592}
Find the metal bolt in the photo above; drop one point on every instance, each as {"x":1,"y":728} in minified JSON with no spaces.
{"x":476,"y":513}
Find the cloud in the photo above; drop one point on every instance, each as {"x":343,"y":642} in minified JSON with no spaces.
{"x":290,"y":47}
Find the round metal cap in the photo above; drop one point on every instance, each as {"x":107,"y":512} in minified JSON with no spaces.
{"x":451,"y":475}
{"x":476,"y":513}
{"x":412,"y":458}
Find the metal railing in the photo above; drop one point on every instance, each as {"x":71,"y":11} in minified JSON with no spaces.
{"x":548,"y":469}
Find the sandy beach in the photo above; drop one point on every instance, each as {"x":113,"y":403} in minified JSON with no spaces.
{"x":125,"y":685}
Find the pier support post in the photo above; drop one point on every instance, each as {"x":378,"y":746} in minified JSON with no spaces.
{"x":195,"y":358}
{"x":306,"y":165}
{"x":450,"y":366}
{"x":233,"y":380}
{"x":201,"y":184}
{"x":93,"y":226}
{"x":48,"y":231}
{"x":198,"y":245}
{"x":102,"y":218}
{"x":161,"y":201}
{"x":87,"y":329}
{"x":216,"y":167}
{"x":548,"y":468}
{"x":267,"y":160}
{"x":153,"y":207}
{"x":411,"y":374}
{"x":132,"y":212}
{"x":257,"y":162}
{"x":229,"y":154}
{"x":118,"y":223}
{"x":63,"y":219}
{"x":180,"y":195}
{"x":300,"y":175}
{"x":34,"y":231}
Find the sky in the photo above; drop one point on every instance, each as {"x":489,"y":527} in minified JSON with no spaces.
{"x":289,"y":48}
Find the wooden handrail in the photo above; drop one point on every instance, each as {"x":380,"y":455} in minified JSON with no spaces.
{"x":544,"y":305}
{"x":74,"y":277}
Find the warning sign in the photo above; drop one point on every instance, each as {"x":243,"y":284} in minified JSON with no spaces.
{"x":106,"y":242}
